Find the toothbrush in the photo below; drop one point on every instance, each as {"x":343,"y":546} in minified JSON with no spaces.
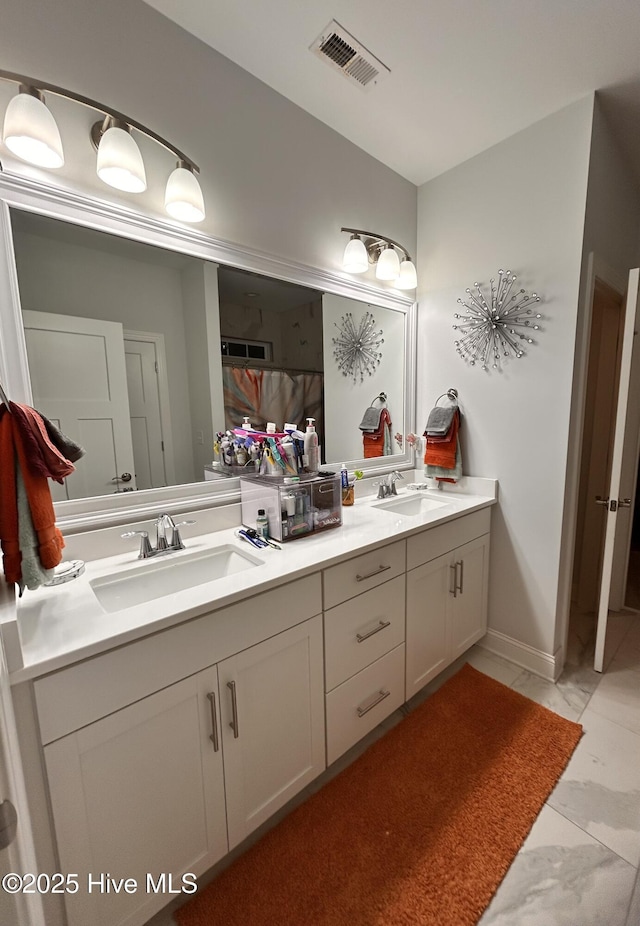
{"x":253,"y":533}
{"x":254,"y":541}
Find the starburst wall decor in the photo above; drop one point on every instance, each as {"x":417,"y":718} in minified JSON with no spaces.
{"x":357,"y":347}
{"x":497,"y":326}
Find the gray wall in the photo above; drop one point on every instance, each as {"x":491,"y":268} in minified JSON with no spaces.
{"x":274,"y":178}
{"x":520,"y":206}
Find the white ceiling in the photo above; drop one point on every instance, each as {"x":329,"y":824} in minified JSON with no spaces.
{"x":465,"y":74}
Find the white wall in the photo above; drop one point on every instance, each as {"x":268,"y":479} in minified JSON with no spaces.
{"x":274,"y":177}
{"x":520,"y":206}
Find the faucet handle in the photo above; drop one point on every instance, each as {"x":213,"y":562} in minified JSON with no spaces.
{"x":176,"y":539}
{"x":146,"y":549}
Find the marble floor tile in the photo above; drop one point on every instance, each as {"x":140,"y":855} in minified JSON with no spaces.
{"x":562,"y":877}
{"x":568,"y":700}
{"x":617,"y":697}
{"x":494,"y":666}
{"x":599,"y":790}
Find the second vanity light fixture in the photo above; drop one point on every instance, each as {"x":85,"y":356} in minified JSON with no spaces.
{"x":365,"y":248}
{"x":31,"y":133}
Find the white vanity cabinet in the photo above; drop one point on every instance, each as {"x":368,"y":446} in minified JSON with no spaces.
{"x":139,"y":791}
{"x":272,"y":724}
{"x":364,"y":644}
{"x":168,"y":783}
{"x":447,"y":576}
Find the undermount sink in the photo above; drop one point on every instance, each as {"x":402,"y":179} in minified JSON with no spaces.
{"x":411,"y":504}
{"x":169,"y":574}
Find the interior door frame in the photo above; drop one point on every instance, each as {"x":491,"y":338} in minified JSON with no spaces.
{"x":157,"y":340}
{"x":596,"y":268}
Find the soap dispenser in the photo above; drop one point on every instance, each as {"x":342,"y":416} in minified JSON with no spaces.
{"x":311,"y":447}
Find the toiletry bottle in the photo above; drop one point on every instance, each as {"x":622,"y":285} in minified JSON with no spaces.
{"x":347,"y":490}
{"x":262,"y":523}
{"x":311,"y":447}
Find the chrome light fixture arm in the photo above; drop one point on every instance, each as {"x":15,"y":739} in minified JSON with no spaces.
{"x":38,"y":87}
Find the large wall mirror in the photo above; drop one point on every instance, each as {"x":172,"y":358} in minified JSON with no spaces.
{"x":142,"y":345}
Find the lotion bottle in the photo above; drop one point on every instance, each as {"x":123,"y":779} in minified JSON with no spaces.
{"x":311,"y":447}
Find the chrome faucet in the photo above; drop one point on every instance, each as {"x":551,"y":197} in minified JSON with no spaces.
{"x":168,"y":538}
{"x":387,"y":486}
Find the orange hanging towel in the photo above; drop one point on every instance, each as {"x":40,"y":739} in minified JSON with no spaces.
{"x":442,"y":451}
{"x":50,"y":540}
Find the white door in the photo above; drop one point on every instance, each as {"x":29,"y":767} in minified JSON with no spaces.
{"x":144,"y":410}
{"x":78,"y":380}
{"x":617,"y":516}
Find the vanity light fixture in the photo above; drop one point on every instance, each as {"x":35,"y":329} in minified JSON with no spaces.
{"x":30,"y":132}
{"x":365,"y":248}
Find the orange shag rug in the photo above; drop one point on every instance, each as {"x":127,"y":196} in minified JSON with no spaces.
{"x":419,"y":831}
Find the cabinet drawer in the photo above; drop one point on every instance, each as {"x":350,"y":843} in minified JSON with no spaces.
{"x":361,"y":630}
{"x":438,"y":540}
{"x":359,"y":704}
{"x":362,"y":573}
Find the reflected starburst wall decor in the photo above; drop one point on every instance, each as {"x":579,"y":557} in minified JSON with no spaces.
{"x":496,"y":326}
{"x":357,"y":347}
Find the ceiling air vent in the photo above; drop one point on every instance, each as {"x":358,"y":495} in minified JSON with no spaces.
{"x":349,"y":56}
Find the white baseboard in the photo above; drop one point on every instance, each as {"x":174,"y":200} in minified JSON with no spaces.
{"x":547,"y":665}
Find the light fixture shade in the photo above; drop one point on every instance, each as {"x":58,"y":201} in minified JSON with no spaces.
{"x":183,"y":197}
{"x":31,"y":133}
{"x":120,"y":163}
{"x":408,"y":278}
{"x":356,"y":259}
{"x":388,"y":266}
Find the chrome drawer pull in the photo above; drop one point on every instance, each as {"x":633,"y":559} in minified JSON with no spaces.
{"x":375,"y":572}
{"x":234,"y":708}
{"x":361,"y":637}
{"x":213,"y":736}
{"x":461,"y":584}
{"x":454,"y":591}
{"x":382,"y":694}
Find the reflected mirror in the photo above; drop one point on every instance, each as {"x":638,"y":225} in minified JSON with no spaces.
{"x":142,"y":355}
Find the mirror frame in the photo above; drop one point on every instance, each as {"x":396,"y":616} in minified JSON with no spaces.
{"x":33,"y":196}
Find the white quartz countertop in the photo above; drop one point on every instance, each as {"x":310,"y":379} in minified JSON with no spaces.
{"x":64,"y":624}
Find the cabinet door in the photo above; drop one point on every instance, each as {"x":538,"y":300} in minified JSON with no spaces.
{"x":469,"y":605}
{"x":429,"y":589}
{"x":272,"y":724}
{"x":139,"y":791}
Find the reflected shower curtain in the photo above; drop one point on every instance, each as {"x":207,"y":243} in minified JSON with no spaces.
{"x":272,"y":395}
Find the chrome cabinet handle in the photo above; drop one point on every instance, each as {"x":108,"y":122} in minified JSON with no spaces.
{"x":460,"y":586}
{"x":454,"y":591}
{"x":370,"y":575}
{"x":361,"y":637}
{"x":213,"y":736}
{"x":382,"y":694}
{"x":234,"y":709}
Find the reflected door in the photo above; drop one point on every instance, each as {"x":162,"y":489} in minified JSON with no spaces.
{"x":144,"y":410}
{"x":79,"y":381}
